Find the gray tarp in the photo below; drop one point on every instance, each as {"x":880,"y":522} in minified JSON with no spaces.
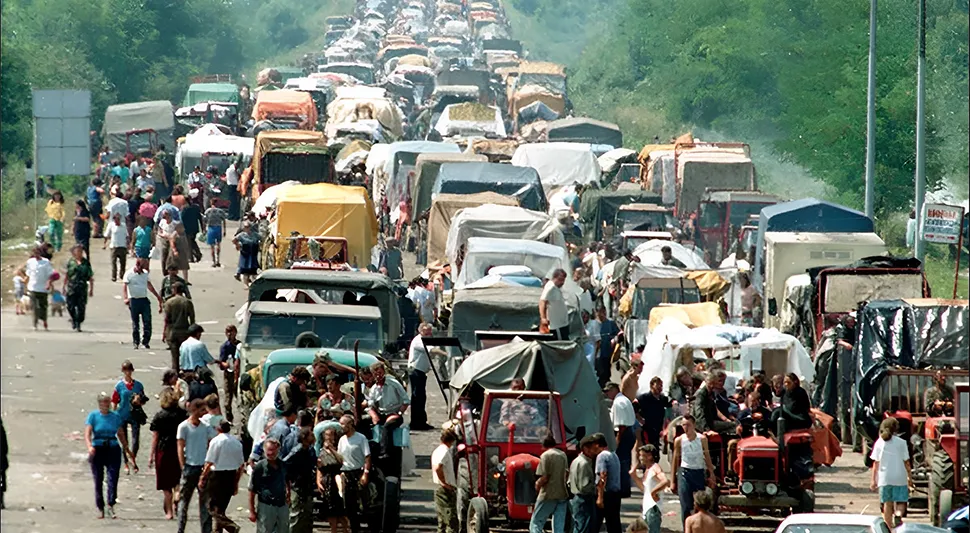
{"x":426,"y":173}
{"x":444,"y":209}
{"x":377,"y":285}
{"x":584,"y":130}
{"x":553,"y":366}
{"x":508,"y":180}
{"x":156,"y":115}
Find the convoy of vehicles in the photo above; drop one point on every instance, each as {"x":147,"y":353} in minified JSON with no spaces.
{"x":284,"y":156}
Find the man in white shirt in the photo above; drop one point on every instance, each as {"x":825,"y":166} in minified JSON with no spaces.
{"x":39,"y":272}
{"x":552,"y":306}
{"x":135,"y":293}
{"x":419,"y":364}
{"x":424,"y":301}
{"x":134,"y":169}
{"x":193,"y":443}
{"x":625,"y":425}
{"x":592,"y":346}
{"x":117,"y":206}
{"x":143,"y":180}
{"x":443,"y":475}
{"x":387,"y":402}
{"x":117,"y":235}
{"x":195,"y":177}
{"x":232,"y":181}
{"x":356,"y":468}
{"x":224,"y":462}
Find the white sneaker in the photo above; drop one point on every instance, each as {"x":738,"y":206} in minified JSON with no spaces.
{"x":110,"y":512}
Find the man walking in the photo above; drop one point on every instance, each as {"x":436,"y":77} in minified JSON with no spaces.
{"x":179,"y":315}
{"x":582,"y":485}
{"x":627,"y":432}
{"x":356,"y":468}
{"x":135,"y":293}
{"x":300,"y":465}
{"x":220,"y":476}
{"x":607,"y":487}
{"x":269,"y":492}
{"x":419,"y":364}
{"x":551,"y":486}
{"x":193,"y":441}
{"x":552,"y":306}
{"x":687,"y":467}
{"x":193,"y":353}
{"x":443,"y":475}
{"x":653,"y":407}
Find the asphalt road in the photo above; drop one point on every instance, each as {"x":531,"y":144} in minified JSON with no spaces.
{"x":50,"y":381}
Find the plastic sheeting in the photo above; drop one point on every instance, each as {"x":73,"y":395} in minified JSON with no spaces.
{"x":443,"y":211}
{"x":559,"y":163}
{"x":356,"y":103}
{"x":916,"y":333}
{"x":553,"y":366}
{"x":598,"y":206}
{"x":189,"y":153}
{"x":211,"y":92}
{"x":508,"y":180}
{"x":397,"y":184}
{"x":649,"y":254}
{"x":448,"y":125}
{"x":426,"y":169}
{"x":285,"y":102}
{"x":503,"y":222}
{"x":482,"y":253}
{"x":672,"y":344}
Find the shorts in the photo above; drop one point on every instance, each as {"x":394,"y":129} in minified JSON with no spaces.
{"x":213,"y":235}
{"x":143,"y":252}
{"x":894,"y":494}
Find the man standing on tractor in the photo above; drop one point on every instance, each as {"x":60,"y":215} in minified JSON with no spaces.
{"x":936,"y":397}
{"x":551,"y":486}
{"x":691,"y":460}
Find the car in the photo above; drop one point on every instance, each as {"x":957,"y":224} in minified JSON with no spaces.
{"x":833,"y":523}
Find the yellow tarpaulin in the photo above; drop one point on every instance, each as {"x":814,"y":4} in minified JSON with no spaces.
{"x":710,"y":284}
{"x":323,"y":209}
{"x":692,"y":315}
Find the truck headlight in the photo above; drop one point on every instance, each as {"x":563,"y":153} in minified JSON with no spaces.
{"x":771,"y":489}
{"x":747,"y":488}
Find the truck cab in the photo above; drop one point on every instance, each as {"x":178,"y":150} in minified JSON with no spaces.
{"x":722,"y":213}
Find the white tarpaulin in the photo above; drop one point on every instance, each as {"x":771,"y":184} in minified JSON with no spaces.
{"x":483,"y":253}
{"x":672,"y":344}
{"x":649,"y":254}
{"x":502,"y":222}
{"x":559,"y":163}
{"x":196,"y":145}
{"x":267,"y":200}
{"x":448,"y":125}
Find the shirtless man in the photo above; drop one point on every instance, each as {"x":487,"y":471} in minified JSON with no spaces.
{"x":702,"y":521}
{"x":631,"y":380}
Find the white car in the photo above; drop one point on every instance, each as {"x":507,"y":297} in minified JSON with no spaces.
{"x":833,"y":523}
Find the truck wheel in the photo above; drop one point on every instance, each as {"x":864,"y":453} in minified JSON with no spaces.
{"x":392,"y":504}
{"x":941,"y":484}
{"x":806,"y":502}
{"x":477,"y":516}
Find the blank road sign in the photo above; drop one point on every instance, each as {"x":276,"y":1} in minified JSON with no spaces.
{"x":62,"y":132}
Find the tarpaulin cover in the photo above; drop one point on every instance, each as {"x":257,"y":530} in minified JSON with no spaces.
{"x":559,"y":164}
{"x":585,"y":130}
{"x":503,"y":222}
{"x":509,"y":180}
{"x":610,"y":161}
{"x":914,"y":333}
{"x":599,"y":206}
{"x":377,"y":285}
{"x":443,"y":210}
{"x":210,"y":92}
{"x":189,"y":153}
{"x":701,"y":169}
{"x":482,"y":253}
{"x":324,"y":209}
{"x":122,"y":118}
{"x":397,"y":186}
{"x":466,"y":117}
{"x":531,"y":93}
{"x":537,"y":111}
{"x":352,"y":153}
{"x":807,"y":215}
{"x":353,"y":104}
{"x":650,"y":254}
{"x":268,"y":141}
{"x":426,"y":173}
{"x":285,"y":102}
{"x":559,"y":366}
{"x":693,"y":315}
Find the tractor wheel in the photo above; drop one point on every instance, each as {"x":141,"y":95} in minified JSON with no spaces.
{"x":392,"y":504}
{"x":464,"y":494}
{"x":477,"y":520}
{"x":941,"y":484}
{"x":806,"y":502}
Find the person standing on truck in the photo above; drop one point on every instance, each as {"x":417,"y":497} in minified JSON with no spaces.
{"x":551,"y":486}
{"x":891,"y":472}
{"x":553,"y":315}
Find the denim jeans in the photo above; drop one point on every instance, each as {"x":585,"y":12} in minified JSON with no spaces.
{"x":108,"y":458}
{"x":544,"y":509}
{"x":584,"y":512}
{"x":189,"y":486}
{"x":653,"y":518}
{"x":690,"y":481}
{"x":141,"y":308}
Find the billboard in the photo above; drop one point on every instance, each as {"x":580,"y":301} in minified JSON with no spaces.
{"x":62,"y":132}
{"x":942,"y":223}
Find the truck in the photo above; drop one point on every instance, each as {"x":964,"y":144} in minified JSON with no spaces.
{"x":285,"y":155}
{"x":722,"y":213}
{"x":138,"y":128}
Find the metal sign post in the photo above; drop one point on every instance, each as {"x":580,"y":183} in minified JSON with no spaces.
{"x":942,"y":223}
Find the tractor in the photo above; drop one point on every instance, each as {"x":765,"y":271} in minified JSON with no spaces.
{"x":949,"y":462}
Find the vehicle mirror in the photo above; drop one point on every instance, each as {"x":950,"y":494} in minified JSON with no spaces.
{"x":580,"y":433}
{"x":772,"y":307}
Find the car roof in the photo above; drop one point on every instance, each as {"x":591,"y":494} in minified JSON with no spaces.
{"x":337,"y":310}
{"x":305,"y":356}
{"x":847,"y":519}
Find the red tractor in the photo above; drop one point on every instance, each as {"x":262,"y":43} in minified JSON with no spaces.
{"x":498,"y":453}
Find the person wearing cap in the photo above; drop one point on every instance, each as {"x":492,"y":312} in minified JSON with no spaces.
{"x":169,"y":281}
{"x":179,"y":315}
{"x":193,"y":353}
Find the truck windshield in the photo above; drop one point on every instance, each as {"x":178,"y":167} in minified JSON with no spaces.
{"x":269,"y":331}
{"x":646,"y":298}
{"x":712,"y":215}
{"x":531,"y":417}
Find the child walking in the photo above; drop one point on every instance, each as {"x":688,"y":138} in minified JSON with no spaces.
{"x":117,"y":235}
{"x":55,"y":223}
{"x":19,"y":282}
{"x":891,"y":472}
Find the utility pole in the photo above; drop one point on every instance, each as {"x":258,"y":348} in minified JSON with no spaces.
{"x":919,"y":245}
{"x":871,"y":115}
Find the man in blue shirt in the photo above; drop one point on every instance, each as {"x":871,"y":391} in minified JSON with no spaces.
{"x":193,"y":353}
{"x":607,"y":487}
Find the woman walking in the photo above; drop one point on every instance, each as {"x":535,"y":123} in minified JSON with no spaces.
{"x":891,"y":472}
{"x":247,"y":242}
{"x":78,"y":285}
{"x":328,"y":470}
{"x":55,"y":223}
{"x":164,"y":456}
{"x":82,"y":226}
{"x":106,"y":442}
{"x":181,"y":251}
{"x":128,"y":399}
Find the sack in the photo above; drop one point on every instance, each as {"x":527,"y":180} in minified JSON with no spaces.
{"x":155,"y":254}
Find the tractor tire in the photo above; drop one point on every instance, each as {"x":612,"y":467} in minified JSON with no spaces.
{"x":392,"y":505}
{"x":941,"y":485}
{"x":464,"y":494}
{"x":806,"y":502}
{"x":477,"y":521}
